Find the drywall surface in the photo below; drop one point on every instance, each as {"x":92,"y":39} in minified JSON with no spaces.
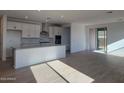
{"x":66,"y":38}
{"x":115,"y":35}
{"x":78,"y":35}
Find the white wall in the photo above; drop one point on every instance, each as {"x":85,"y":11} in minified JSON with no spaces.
{"x":66,"y":37}
{"x":115,"y":34}
{"x":78,"y":35}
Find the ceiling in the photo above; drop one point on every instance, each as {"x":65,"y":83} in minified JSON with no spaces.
{"x":67,"y":16}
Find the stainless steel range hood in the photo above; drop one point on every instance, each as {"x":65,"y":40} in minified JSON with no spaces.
{"x":45,"y":29}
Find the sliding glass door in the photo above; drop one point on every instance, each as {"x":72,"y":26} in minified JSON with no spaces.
{"x":101,"y":39}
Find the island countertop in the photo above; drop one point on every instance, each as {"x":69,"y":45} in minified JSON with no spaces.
{"x":37,"y":46}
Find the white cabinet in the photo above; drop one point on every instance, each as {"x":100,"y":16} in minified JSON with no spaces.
{"x":37,"y":55}
{"x":14,"y":25}
{"x":25,"y":30}
{"x":51,"y":34}
{"x":53,"y":30}
{"x":30,"y":30}
{"x":37,"y":30}
{"x":57,"y":30}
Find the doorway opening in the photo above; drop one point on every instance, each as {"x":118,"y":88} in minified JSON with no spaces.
{"x":102,"y":39}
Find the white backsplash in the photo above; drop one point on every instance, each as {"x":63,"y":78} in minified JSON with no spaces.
{"x":35,"y":41}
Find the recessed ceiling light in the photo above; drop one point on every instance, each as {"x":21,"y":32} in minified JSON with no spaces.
{"x":26,"y":17}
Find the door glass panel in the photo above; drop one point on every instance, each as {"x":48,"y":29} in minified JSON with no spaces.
{"x":101,"y":39}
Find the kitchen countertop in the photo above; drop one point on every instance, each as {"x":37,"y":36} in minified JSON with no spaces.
{"x":36,"y":46}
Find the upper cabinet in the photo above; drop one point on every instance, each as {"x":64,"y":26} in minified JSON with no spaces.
{"x":28,"y":30}
{"x":14,"y":25}
{"x":25,"y":30}
{"x":57,"y":30}
{"x":54,"y":30}
{"x":37,"y":30}
{"x":51,"y":34}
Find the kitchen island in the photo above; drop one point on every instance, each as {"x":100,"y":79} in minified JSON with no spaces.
{"x":27,"y":56}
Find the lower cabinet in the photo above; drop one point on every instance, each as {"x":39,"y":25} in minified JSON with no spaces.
{"x":31,"y":56}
